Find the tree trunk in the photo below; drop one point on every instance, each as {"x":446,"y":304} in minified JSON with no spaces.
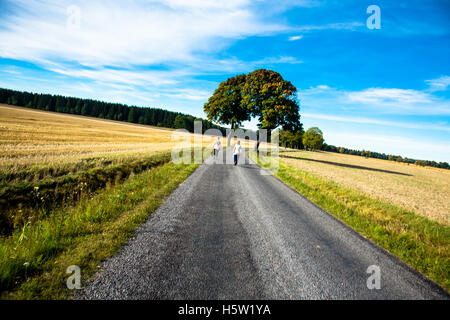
{"x":230,"y":134}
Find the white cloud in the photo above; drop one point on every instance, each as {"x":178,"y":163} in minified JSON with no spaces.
{"x":276,"y":60}
{"x":137,"y":33}
{"x":122,"y":46}
{"x":439,"y":84}
{"x":235,"y":65}
{"x":189,"y":94}
{"x":117,"y":43}
{"x":123,"y":34}
{"x":364,"y":119}
{"x":294,"y":38}
{"x":383,"y":95}
{"x":381,"y":100}
{"x":127,"y":78}
{"x":406,"y":101}
{"x":196,"y":4}
{"x":331,"y":26}
{"x":131,"y":77}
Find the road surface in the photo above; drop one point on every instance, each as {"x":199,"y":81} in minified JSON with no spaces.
{"x":230,"y":232}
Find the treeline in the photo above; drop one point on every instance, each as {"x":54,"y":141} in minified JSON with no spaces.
{"x":377,"y":155}
{"x":106,"y":110}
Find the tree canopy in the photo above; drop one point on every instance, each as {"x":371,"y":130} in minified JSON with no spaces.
{"x":262,"y":94}
{"x":291,"y":139}
{"x":225,"y":105}
{"x":313,"y":138}
{"x":271,"y":99}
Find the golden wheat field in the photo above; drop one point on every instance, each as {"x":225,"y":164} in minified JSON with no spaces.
{"x":30,"y":137}
{"x":424,"y":190}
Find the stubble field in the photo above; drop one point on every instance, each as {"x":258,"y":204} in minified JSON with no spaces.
{"x":38,"y":138}
{"x":424,"y":190}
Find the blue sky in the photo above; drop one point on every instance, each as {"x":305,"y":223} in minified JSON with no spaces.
{"x":386,"y":90}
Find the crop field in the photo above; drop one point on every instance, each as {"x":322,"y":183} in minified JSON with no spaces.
{"x":33,"y":137}
{"x":424,"y":190}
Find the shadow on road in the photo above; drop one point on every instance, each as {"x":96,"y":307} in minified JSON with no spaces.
{"x":249,"y":166}
{"x":348,"y":165}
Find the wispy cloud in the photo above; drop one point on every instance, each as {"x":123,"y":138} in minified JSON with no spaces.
{"x":401,"y":101}
{"x":162,"y":78}
{"x":381,"y":100}
{"x":294,"y":38}
{"x":439,"y":84}
{"x":124,"y":34}
{"x":388,"y":95}
{"x":331,"y":26}
{"x":134,"y":77}
{"x":189,"y":94}
{"x":276,"y":60}
{"x":123,"y":46}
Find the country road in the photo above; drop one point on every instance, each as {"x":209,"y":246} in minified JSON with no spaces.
{"x":229,"y":232}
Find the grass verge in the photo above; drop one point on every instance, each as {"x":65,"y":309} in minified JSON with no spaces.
{"x":33,"y":261}
{"x":416,"y":240}
{"x":25,"y":201}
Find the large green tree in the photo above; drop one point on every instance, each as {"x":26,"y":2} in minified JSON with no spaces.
{"x":313,"y":138}
{"x":261,"y":94}
{"x":291,"y":139}
{"x":271,"y":99}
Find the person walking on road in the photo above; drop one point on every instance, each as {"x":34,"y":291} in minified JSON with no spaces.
{"x":257,"y":146}
{"x":217,"y":146}
{"x":236,"y":152}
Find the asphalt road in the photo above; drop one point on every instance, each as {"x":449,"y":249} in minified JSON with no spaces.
{"x":230,"y":232}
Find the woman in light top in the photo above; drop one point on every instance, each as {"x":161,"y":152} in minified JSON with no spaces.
{"x":236,"y":152}
{"x":217,"y":145}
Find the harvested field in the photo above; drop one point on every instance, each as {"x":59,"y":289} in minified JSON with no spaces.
{"x":424,"y":190}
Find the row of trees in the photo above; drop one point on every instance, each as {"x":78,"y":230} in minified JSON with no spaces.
{"x":312,"y":139}
{"x":289,"y":139}
{"x":377,"y":155}
{"x":105,"y":110}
